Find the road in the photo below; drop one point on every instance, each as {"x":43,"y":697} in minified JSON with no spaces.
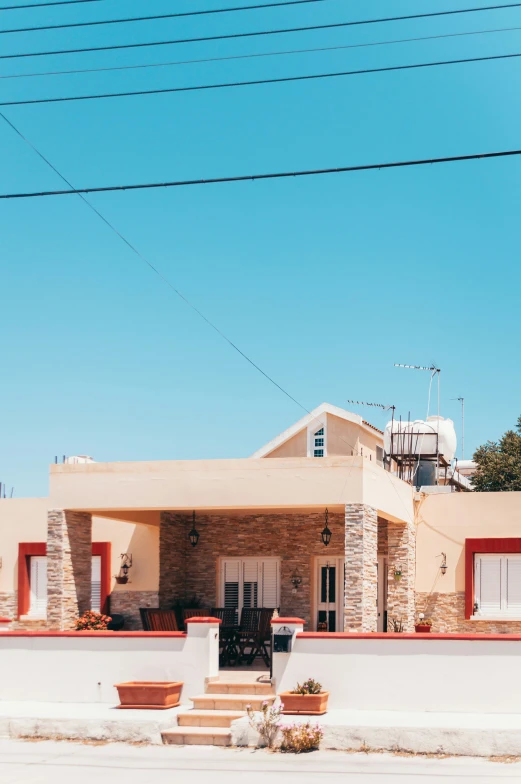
{"x":30,"y":762}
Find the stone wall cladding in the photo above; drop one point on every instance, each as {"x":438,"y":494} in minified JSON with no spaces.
{"x":127,"y":603}
{"x":361,"y":572}
{"x":401,"y":593}
{"x":69,"y":558}
{"x":383,"y":544}
{"x":294,"y":538}
{"x":9,"y":605}
{"x":447,"y":612}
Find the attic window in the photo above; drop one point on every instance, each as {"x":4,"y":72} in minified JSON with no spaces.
{"x":319,"y":443}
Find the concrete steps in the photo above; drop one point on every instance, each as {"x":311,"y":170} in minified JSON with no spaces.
{"x":209,"y":722}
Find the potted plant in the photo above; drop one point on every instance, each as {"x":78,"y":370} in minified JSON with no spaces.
{"x":149,"y":695}
{"x":92,"y":621}
{"x":307,"y":698}
{"x":398,"y":573}
{"x":423,"y":626}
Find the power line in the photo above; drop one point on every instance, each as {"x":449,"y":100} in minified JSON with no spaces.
{"x":229,"y":36}
{"x":44,"y":5}
{"x":271,"y":176}
{"x":260,"y":54}
{"x":160,"y":16}
{"x":255,"y":82}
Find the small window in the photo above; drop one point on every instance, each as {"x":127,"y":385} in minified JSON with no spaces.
{"x":379,"y":456}
{"x":38,"y":586}
{"x":319,"y":443}
{"x":497,"y":585}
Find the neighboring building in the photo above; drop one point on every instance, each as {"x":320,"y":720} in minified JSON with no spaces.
{"x":261,"y":522}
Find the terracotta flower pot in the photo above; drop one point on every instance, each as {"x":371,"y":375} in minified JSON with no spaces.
{"x":151,"y":695}
{"x":422,"y":628}
{"x":308,"y":704}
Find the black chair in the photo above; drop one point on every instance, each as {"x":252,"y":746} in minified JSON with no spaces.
{"x":228,"y":635}
{"x":255,"y":634}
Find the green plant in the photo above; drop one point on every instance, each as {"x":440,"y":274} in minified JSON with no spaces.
{"x":93,"y":621}
{"x":423,"y":621}
{"x":394,"y":625}
{"x":308,"y":687}
{"x":499,"y":463}
{"x":186,"y":602}
{"x":301,"y":737}
{"x":266,"y":721}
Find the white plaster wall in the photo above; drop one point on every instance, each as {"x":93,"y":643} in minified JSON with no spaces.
{"x":81,"y":668}
{"x":463,"y":676}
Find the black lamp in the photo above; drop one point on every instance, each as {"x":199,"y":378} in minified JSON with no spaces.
{"x":443,"y":567}
{"x":194,"y":533}
{"x":326,"y":533}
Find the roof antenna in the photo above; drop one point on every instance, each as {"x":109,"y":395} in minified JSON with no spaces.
{"x":462,"y":401}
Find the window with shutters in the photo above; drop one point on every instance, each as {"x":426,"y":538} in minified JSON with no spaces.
{"x":497,"y":585}
{"x":38,"y":586}
{"x":95,"y":602}
{"x":250,"y":582}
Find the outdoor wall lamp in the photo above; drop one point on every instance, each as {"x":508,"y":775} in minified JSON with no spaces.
{"x":126,"y":564}
{"x":193,"y":535}
{"x":296,"y":579}
{"x":443,"y":566}
{"x":326,"y":533}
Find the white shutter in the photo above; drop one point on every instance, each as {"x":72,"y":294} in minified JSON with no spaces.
{"x":488,"y":584}
{"x":270,"y":593}
{"x":230,"y":579}
{"x":38,"y":586}
{"x":513,"y":584}
{"x":251,"y":574}
{"x":95,"y":602}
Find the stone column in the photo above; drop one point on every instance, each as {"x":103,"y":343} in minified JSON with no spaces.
{"x":173,"y":550}
{"x":69,"y":567}
{"x":402,"y":558}
{"x":361,"y":573}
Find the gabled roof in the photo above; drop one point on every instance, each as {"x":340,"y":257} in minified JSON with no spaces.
{"x":318,"y":415}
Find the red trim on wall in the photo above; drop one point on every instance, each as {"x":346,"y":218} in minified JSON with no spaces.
{"x":104,"y":634}
{"x":27,"y":549}
{"x":473,"y":546}
{"x":288,"y":620}
{"x":103,"y":549}
{"x":203,"y":619}
{"x":406,"y":636}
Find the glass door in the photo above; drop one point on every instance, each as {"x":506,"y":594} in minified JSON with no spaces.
{"x":330,"y":581}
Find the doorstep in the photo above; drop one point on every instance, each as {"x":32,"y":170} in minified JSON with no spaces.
{"x":84,"y":721}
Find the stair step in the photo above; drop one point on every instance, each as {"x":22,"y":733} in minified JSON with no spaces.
{"x":208,"y":718}
{"x":243,"y":687}
{"x":197,"y":736}
{"x":230,"y":701}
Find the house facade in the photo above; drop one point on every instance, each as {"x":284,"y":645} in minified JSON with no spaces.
{"x":312,"y":524}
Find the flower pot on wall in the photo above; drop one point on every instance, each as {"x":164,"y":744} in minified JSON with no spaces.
{"x":309,"y":704}
{"x":151,"y":695}
{"x":422,"y":628}
{"x":121,"y":579}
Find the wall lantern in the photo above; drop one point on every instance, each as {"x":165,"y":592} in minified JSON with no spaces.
{"x":126,"y":564}
{"x":296,"y":579}
{"x":326,"y":533}
{"x":443,"y":566}
{"x":194,"y":533}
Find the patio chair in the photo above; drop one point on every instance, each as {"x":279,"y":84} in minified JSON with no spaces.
{"x":255,"y":633}
{"x":162,"y":621}
{"x":228,"y":615}
{"x":143,"y":611}
{"x":228,"y":635}
{"x":200,"y":612}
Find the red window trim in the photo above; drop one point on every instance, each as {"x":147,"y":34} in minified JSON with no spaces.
{"x":473,"y":546}
{"x":28,"y":549}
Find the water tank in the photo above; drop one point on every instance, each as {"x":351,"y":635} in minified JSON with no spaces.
{"x":75,"y":459}
{"x":419,"y":437}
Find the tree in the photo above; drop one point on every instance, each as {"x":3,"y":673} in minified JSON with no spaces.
{"x":499,"y":463}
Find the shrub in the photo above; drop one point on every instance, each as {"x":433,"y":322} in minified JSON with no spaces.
{"x":308,"y":687}
{"x":91,"y":620}
{"x":300,"y":737}
{"x":266,"y":722}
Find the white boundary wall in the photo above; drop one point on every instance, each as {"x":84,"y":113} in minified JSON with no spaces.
{"x":84,"y":667}
{"x":406,"y":673}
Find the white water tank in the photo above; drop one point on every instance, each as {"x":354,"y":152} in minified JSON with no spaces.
{"x":419,"y":437}
{"x":75,"y":459}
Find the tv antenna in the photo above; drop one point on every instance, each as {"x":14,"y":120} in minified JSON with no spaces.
{"x":462,"y":401}
{"x":374,"y":405}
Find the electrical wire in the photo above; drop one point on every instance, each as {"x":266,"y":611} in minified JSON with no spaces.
{"x":195,"y":309}
{"x":256,"y":82}
{"x":272,"y":176}
{"x":229,"y":36}
{"x":44,"y":5}
{"x":161,"y":16}
{"x":260,"y":54}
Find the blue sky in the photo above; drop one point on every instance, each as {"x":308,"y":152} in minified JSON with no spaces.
{"x":325,"y":282}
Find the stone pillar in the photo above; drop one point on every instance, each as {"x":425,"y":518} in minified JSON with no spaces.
{"x":173,"y":551}
{"x":402,"y":558}
{"x":69,"y":567}
{"x":361,"y":573}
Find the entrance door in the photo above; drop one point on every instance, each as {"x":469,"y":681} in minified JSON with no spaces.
{"x":330,"y":594}
{"x":381,"y":601}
